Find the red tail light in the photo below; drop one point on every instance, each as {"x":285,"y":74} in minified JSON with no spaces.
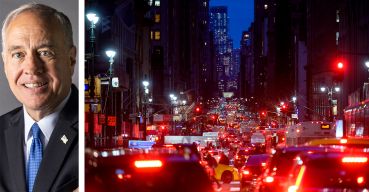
{"x":246,"y":172}
{"x":120,"y":176}
{"x":269,"y":179}
{"x":124,"y":176}
{"x":354,"y":159}
{"x":148,"y":164}
{"x":360,"y":180}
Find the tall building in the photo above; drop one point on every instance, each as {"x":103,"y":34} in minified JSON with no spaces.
{"x":322,"y":28}
{"x":353,"y":46}
{"x":121,"y":26}
{"x":223,"y":45}
{"x":180,"y":44}
{"x":246,"y":82}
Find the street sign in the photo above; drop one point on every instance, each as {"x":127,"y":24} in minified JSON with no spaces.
{"x":294,"y":116}
{"x":138,"y":144}
{"x":162,"y":118}
{"x":115,"y":82}
{"x":112,"y":121}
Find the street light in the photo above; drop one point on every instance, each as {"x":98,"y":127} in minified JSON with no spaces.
{"x":111,"y":55}
{"x":332,"y":103}
{"x":93,"y":18}
{"x":173,"y":100}
{"x":367,"y":64}
{"x":145,"y":83}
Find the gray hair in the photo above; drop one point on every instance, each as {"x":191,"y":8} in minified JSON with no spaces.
{"x":45,"y":11}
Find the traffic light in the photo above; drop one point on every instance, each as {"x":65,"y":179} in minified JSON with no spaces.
{"x":197,"y":109}
{"x":263,"y":114}
{"x":339,"y":71}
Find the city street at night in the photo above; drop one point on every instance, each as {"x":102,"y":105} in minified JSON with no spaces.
{"x":217,"y":95}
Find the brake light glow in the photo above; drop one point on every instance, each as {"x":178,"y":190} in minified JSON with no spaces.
{"x":120,"y":176}
{"x":299,"y":176}
{"x":292,"y":188}
{"x":124,"y":176}
{"x":148,"y":164}
{"x":246,"y":172}
{"x":360,"y":180}
{"x":269,"y":179}
{"x":355,"y":159}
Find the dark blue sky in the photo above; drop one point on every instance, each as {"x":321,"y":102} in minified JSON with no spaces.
{"x":240,"y":13}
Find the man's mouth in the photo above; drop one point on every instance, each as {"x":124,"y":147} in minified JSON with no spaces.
{"x":35,"y":85}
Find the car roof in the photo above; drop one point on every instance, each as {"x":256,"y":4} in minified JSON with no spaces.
{"x":351,"y":141}
{"x":332,"y":155}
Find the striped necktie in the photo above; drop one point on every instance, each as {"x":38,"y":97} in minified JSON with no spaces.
{"x":35,"y":156}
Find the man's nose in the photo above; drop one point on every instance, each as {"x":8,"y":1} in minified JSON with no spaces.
{"x":33,"y":65}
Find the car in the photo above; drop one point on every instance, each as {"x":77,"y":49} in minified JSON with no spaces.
{"x":330,"y":171}
{"x":144,"y":170}
{"x":253,"y":168}
{"x":275,"y":176}
{"x":226,"y":173}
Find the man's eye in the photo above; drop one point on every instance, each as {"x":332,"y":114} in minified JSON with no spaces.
{"x":17,"y":55}
{"x":45,"y":54}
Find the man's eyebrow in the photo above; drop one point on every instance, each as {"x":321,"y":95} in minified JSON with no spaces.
{"x":45,"y":45}
{"x":15,"y":47}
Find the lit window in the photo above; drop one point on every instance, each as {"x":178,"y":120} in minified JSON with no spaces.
{"x":150,"y":2}
{"x":157,"y":18}
{"x":151,"y":35}
{"x":157,"y":35}
{"x":157,"y":3}
{"x":204,"y":3}
{"x":266,"y":6}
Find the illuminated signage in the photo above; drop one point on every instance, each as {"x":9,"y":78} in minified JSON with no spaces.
{"x":325,"y":126}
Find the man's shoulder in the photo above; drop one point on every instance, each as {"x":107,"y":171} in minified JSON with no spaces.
{"x":10,"y":114}
{"x":4,"y":119}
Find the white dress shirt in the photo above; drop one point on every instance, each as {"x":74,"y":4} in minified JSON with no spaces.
{"x":46,"y":124}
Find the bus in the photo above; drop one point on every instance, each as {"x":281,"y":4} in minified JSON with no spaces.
{"x":357,"y":119}
{"x":303,"y":132}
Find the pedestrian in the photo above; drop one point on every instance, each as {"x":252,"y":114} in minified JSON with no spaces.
{"x":212,"y":163}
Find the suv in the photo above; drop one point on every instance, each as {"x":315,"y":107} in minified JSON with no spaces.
{"x":275,"y":176}
{"x":330,"y":171}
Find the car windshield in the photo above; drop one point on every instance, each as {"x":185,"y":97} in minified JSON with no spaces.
{"x":282,"y":163}
{"x":256,"y":160}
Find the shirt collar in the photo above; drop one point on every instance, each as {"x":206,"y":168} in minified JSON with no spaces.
{"x":46,"y":124}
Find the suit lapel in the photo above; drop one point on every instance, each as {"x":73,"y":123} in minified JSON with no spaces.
{"x":62,"y":141}
{"x":14,"y":136}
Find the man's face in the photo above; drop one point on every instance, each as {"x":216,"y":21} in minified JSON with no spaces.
{"x":38,"y":62}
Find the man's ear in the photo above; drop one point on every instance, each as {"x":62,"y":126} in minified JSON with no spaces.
{"x":3,"y":57}
{"x":72,"y":58}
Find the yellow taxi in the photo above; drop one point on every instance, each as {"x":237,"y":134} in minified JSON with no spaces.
{"x":226,"y":173}
{"x":355,"y":142}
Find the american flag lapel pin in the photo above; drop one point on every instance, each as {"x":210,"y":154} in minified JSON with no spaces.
{"x":64,"y":139}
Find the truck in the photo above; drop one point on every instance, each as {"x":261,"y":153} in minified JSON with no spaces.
{"x":303,"y":132}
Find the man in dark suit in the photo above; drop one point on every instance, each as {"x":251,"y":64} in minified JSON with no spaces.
{"x":39,"y":141}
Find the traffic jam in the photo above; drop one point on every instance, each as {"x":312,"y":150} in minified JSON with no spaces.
{"x":306,"y":156}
